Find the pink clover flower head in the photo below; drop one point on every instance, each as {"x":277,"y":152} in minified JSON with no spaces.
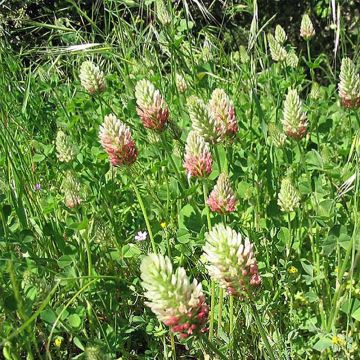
{"x":222,"y":198}
{"x":151,"y":106}
{"x":198,"y":160}
{"x":115,"y":138}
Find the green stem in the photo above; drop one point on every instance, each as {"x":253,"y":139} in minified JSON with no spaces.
{"x":141,"y":203}
{"x":289,"y":244}
{"x":221,"y":298}
{"x":173,"y":349}
{"x":217,"y":158}
{"x":231,"y":314}
{"x":213,"y":348}
{"x":262,"y":333}
{"x":309,"y":58}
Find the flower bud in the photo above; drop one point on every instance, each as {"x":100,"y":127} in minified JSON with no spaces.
{"x":91,"y":78}
{"x":294,"y":120}
{"x":65,"y":150}
{"x":288,"y":198}
{"x":115,"y":138}
{"x":292,"y":59}
{"x":180,"y":83}
{"x":151,"y":106}
{"x":162,"y":12}
{"x":349,"y":86}
{"x":222,"y":198}
{"x":198,"y":160}
{"x":175,"y":301}
{"x":307,"y":30}
{"x":231,"y":261}
{"x":280,"y":34}
{"x":277,"y":137}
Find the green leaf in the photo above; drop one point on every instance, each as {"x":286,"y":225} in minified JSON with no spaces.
{"x":74,"y":321}
{"x":322,"y":344}
{"x":38,"y":157}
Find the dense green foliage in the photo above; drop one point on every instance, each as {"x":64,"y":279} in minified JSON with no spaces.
{"x":70,"y":271}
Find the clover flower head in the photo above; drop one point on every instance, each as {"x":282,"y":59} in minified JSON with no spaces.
{"x":222,"y":110}
{"x":277,"y":137}
{"x":294,"y":119}
{"x":349,"y":86}
{"x":231,"y":261}
{"x":198,"y":160}
{"x":288,"y":197}
{"x":277,"y":52}
{"x":92,"y":78}
{"x":203,"y":122}
{"x":307,"y":30}
{"x":280,"y":34}
{"x":180,"y":83}
{"x":162,"y":12}
{"x":222,"y":198}
{"x":115,"y":138}
{"x":72,"y":191}
{"x":292,"y":59}
{"x":65,"y":150}
{"x":175,"y":301}
{"x":151,"y":106}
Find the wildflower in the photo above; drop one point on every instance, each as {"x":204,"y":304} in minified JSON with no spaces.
{"x":222,"y":110}
{"x":180,"y":83}
{"x":58,"y":342}
{"x":65,"y":151}
{"x":349,"y":86}
{"x":115,"y":138}
{"x":288,"y":198}
{"x":141,"y":236}
{"x":315,"y":91}
{"x":151,"y":106}
{"x":93,"y":352}
{"x":222,"y":198}
{"x":71,"y":189}
{"x":336,"y":340}
{"x":294,"y":120}
{"x":175,"y":301}
{"x":244,"y":56}
{"x":162,"y":12}
{"x":292,"y":59}
{"x":37,"y":187}
{"x":277,"y":137}
{"x":92,"y":79}
{"x":231,"y":261}
{"x":278,"y":53}
{"x":202,"y":120}
{"x":307,"y":30}
{"x":280,"y":34}
{"x":198,"y":160}
{"x":163,"y":224}
{"x":292,"y":270}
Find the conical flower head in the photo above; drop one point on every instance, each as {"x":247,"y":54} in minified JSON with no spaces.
{"x":222,"y":110}
{"x":307,"y":30}
{"x":280,"y":34}
{"x":315,"y":92}
{"x":151,"y":106}
{"x":180,"y":83}
{"x":288,"y":198}
{"x":65,"y":150}
{"x":231,"y":261}
{"x":198,"y":160}
{"x":162,"y":12}
{"x":292,"y":59}
{"x":349,"y":86}
{"x":222,"y":198}
{"x":72,"y":191}
{"x":294,"y":120}
{"x":92,"y":78}
{"x":277,"y":52}
{"x":175,"y":301}
{"x":202,"y":120}
{"x":115,"y":138}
